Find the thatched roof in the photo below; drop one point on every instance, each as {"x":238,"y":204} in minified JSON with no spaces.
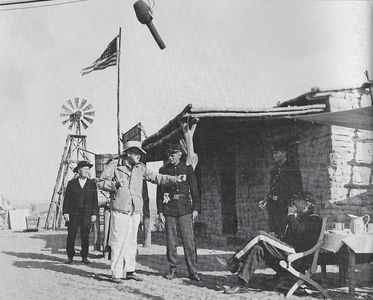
{"x":194,"y":114}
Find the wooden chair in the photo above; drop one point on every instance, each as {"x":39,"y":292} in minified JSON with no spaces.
{"x":306,"y":276}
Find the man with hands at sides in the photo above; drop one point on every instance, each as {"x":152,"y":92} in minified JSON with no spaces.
{"x":80,"y":208}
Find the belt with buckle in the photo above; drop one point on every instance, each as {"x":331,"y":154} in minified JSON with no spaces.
{"x":178,"y":196}
{"x":125,"y":212}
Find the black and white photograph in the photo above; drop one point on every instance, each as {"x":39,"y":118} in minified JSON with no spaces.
{"x":168,"y":149}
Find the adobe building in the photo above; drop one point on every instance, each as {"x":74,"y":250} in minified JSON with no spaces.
{"x":331,"y":140}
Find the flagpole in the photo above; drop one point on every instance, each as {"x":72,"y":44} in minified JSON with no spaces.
{"x":118,"y":61}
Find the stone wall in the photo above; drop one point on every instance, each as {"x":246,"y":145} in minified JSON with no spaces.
{"x":351,"y":159}
{"x":336,"y":164}
{"x":314,"y":148}
{"x":254,"y":163}
{"x":251,"y":146}
{"x":208,"y":174}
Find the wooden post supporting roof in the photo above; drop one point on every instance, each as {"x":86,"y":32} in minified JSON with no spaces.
{"x":187,"y":142}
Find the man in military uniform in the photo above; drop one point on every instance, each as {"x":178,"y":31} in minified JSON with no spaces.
{"x":302,"y":231}
{"x":285,"y":181}
{"x":179,"y":203}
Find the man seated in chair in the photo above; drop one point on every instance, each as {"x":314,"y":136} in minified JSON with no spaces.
{"x":301,"y":233}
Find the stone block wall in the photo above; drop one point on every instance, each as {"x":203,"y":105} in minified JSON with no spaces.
{"x":253,"y":165}
{"x":351,"y":162}
{"x":211,"y":196}
{"x":252,"y":179}
{"x":208,"y":174}
{"x":336,"y":164}
{"x":314,"y":148}
{"x":351,"y":173}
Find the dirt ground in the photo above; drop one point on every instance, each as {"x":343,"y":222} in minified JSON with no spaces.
{"x":32,"y":267}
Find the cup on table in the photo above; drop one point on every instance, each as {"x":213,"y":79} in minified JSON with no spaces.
{"x":370,"y":227}
{"x":339,"y":226}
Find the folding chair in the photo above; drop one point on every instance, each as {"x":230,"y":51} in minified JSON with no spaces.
{"x":306,"y":277}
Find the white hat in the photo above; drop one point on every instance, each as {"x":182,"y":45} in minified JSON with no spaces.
{"x":132,"y":144}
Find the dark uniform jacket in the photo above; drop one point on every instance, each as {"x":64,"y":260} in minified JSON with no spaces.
{"x":80,"y":202}
{"x":302,"y":231}
{"x":184,"y":196}
{"x":285,"y":181}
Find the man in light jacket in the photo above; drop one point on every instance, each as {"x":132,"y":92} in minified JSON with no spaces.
{"x":125,"y":182}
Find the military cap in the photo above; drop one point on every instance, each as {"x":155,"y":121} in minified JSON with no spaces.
{"x":173,"y":148}
{"x":306,"y":196}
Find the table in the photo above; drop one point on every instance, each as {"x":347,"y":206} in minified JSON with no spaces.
{"x":357,"y":245}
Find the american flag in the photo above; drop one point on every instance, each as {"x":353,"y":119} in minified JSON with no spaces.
{"x":107,"y":59}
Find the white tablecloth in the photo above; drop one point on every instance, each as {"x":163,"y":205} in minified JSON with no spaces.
{"x":358,"y":243}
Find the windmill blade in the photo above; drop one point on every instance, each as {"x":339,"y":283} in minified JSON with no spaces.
{"x":64,"y":115}
{"x":88,"y":119}
{"x":71,"y":125}
{"x":65,"y":121}
{"x":85,"y":126}
{"x":76,"y":102}
{"x":84,"y":101}
{"x":88,"y":107}
{"x":66,"y":109}
{"x":89,"y":113}
{"x":71,"y":103}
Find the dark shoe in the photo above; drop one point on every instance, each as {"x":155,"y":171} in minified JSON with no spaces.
{"x":117,"y":280}
{"x":170,"y":275}
{"x":69,"y":261}
{"x":236,"y":290}
{"x":86,"y":261}
{"x":194,"y":277}
{"x":133,"y":276}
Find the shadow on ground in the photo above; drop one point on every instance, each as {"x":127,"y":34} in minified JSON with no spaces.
{"x":56,"y":241}
{"x":214,"y":276}
{"x":54,"y":259}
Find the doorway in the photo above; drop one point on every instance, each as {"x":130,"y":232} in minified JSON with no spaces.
{"x":228,"y":194}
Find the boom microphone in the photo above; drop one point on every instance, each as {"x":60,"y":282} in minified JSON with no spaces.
{"x":144,"y":15}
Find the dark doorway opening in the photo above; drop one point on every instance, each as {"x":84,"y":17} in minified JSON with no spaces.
{"x":228,"y":194}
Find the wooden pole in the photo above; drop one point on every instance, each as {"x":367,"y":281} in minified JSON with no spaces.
{"x":53,"y":205}
{"x":146,"y":216}
{"x":370,"y":87}
{"x":188,"y":132}
{"x":118,"y":107}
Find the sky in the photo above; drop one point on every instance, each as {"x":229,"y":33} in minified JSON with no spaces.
{"x":236,"y":53}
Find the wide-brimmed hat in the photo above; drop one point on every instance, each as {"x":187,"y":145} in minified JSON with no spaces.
{"x":173,"y":148}
{"x":81,"y":164}
{"x":132,"y":144}
{"x":306,"y":196}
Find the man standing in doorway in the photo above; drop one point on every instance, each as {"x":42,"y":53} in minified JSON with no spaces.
{"x":285,"y":181}
{"x":179,"y":204}
{"x":125,"y":181}
{"x":80,"y":208}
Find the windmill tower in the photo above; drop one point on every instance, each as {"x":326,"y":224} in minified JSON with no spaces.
{"x":77,"y":115}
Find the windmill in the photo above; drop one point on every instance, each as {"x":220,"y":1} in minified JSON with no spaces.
{"x":78,"y":115}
